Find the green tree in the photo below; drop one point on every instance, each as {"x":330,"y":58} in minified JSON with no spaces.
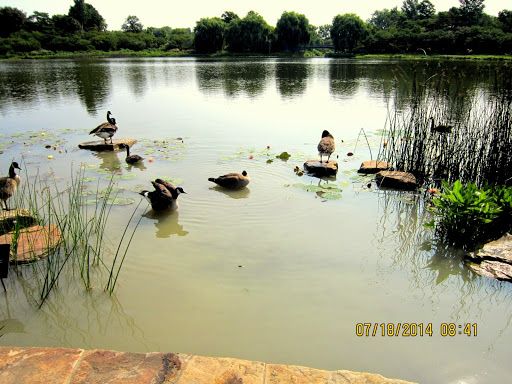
{"x":324,"y":32}
{"x":65,"y":25}
{"x":87,"y":16}
{"x":471,"y":11}
{"x":40,"y":21}
{"x":505,"y":18}
{"x":347,"y":32}
{"x":228,"y":16}
{"x":132,"y":24}
{"x":209,"y":35}
{"x":415,"y":10}
{"x":292,"y":30}
{"x":250,"y":34}
{"x":386,"y":19}
{"x":181,"y":38}
{"x":11,"y":20}
{"x":426,"y":10}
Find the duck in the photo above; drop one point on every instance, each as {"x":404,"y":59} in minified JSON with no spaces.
{"x":326,"y":146}
{"x":441,"y":128}
{"x":9,"y":184}
{"x":106,"y":130}
{"x":232,"y":180}
{"x":164,"y":197}
{"x":131,"y":159}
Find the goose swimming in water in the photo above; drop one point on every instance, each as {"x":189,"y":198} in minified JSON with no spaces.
{"x":232,"y":180}
{"x":441,"y":128}
{"x":164,"y":197}
{"x":131,"y":159}
{"x":9,"y":184}
{"x":106,"y":130}
{"x":326,"y":146}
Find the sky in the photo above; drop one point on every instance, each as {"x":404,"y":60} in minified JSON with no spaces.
{"x":160,"y":13}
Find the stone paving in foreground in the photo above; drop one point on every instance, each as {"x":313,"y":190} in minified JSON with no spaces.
{"x":71,"y":366}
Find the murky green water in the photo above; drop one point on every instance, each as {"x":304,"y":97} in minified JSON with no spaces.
{"x":273,"y":273}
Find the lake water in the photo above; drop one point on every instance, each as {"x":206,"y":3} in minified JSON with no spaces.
{"x":272,"y":273}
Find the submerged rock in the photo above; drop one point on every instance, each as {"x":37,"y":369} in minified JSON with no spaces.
{"x":373,"y":166}
{"x":396,"y":180}
{"x":100,"y":145}
{"x":33,"y":243}
{"x":494,"y":260}
{"x":321,"y":169}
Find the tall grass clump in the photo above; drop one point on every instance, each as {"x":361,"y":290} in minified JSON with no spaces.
{"x":82,"y":223}
{"x":451,"y":130}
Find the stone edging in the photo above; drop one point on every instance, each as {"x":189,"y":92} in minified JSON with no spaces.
{"x":67,"y":365}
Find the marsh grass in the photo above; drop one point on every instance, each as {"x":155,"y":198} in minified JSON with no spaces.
{"x":478,"y":147}
{"x":84,"y":242}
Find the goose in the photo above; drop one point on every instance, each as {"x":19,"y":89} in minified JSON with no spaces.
{"x":106,"y":130}
{"x":164,"y":197}
{"x":131,"y":159}
{"x":232,"y":180}
{"x":326,"y":146}
{"x":441,"y":128}
{"x":8,"y":185}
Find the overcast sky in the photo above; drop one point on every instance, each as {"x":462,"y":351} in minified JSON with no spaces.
{"x":185,"y":13}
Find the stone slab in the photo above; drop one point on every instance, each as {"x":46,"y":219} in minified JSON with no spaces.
{"x":100,"y":145}
{"x":494,"y":260}
{"x":33,"y":242}
{"x":373,"y":166}
{"x":77,"y":366}
{"x":37,"y":365}
{"x":396,"y":180}
{"x":316,"y":168}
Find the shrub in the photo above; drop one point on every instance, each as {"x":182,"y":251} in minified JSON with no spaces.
{"x":466,"y":216}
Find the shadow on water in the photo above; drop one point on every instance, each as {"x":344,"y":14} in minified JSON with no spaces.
{"x":166,"y":223}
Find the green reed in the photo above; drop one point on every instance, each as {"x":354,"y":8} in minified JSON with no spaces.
{"x":478,"y":148}
{"x":82,"y":226}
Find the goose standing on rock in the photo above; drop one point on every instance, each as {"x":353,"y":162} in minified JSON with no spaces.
{"x":326,"y":146}
{"x":9,"y":184}
{"x":164,"y":197}
{"x":106,"y":130}
{"x":131,"y":159}
{"x":232,"y":180}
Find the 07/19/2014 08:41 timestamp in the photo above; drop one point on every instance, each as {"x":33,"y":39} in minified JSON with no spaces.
{"x":414,"y":329}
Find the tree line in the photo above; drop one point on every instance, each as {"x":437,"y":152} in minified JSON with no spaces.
{"x":414,"y":28}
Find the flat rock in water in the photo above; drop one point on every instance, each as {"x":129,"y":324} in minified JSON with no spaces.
{"x":396,"y":180}
{"x":100,"y":145}
{"x":494,"y":260}
{"x":34,"y":242}
{"x":373,"y":166}
{"x":15,"y":217}
{"x":321,"y":169}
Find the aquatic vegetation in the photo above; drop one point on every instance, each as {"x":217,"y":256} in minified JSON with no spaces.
{"x":83,"y":225}
{"x":326,"y":191}
{"x":464,"y":215}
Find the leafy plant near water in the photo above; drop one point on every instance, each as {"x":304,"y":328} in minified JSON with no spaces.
{"x":83,"y":227}
{"x":467,"y":215}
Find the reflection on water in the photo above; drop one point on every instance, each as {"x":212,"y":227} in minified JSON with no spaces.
{"x":166,"y":223}
{"x":308,"y":263}
{"x":242,"y":193}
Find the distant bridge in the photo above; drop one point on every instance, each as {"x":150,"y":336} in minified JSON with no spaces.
{"x":316,"y":46}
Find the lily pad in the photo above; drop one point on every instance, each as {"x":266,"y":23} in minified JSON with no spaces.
{"x":174,"y":181}
{"x":284,"y":156}
{"x":330,"y":195}
{"x":127,"y":176}
{"x":121,"y":201}
{"x":308,"y":187}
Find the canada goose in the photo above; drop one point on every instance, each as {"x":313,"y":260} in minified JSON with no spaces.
{"x":164,"y":197}
{"x":326,"y":145}
{"x":9,"y":184}
{"x":131,"y":159}
{"x":106,"y":130}
{"x":441,"y":128}
{"x":232,"y":180}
